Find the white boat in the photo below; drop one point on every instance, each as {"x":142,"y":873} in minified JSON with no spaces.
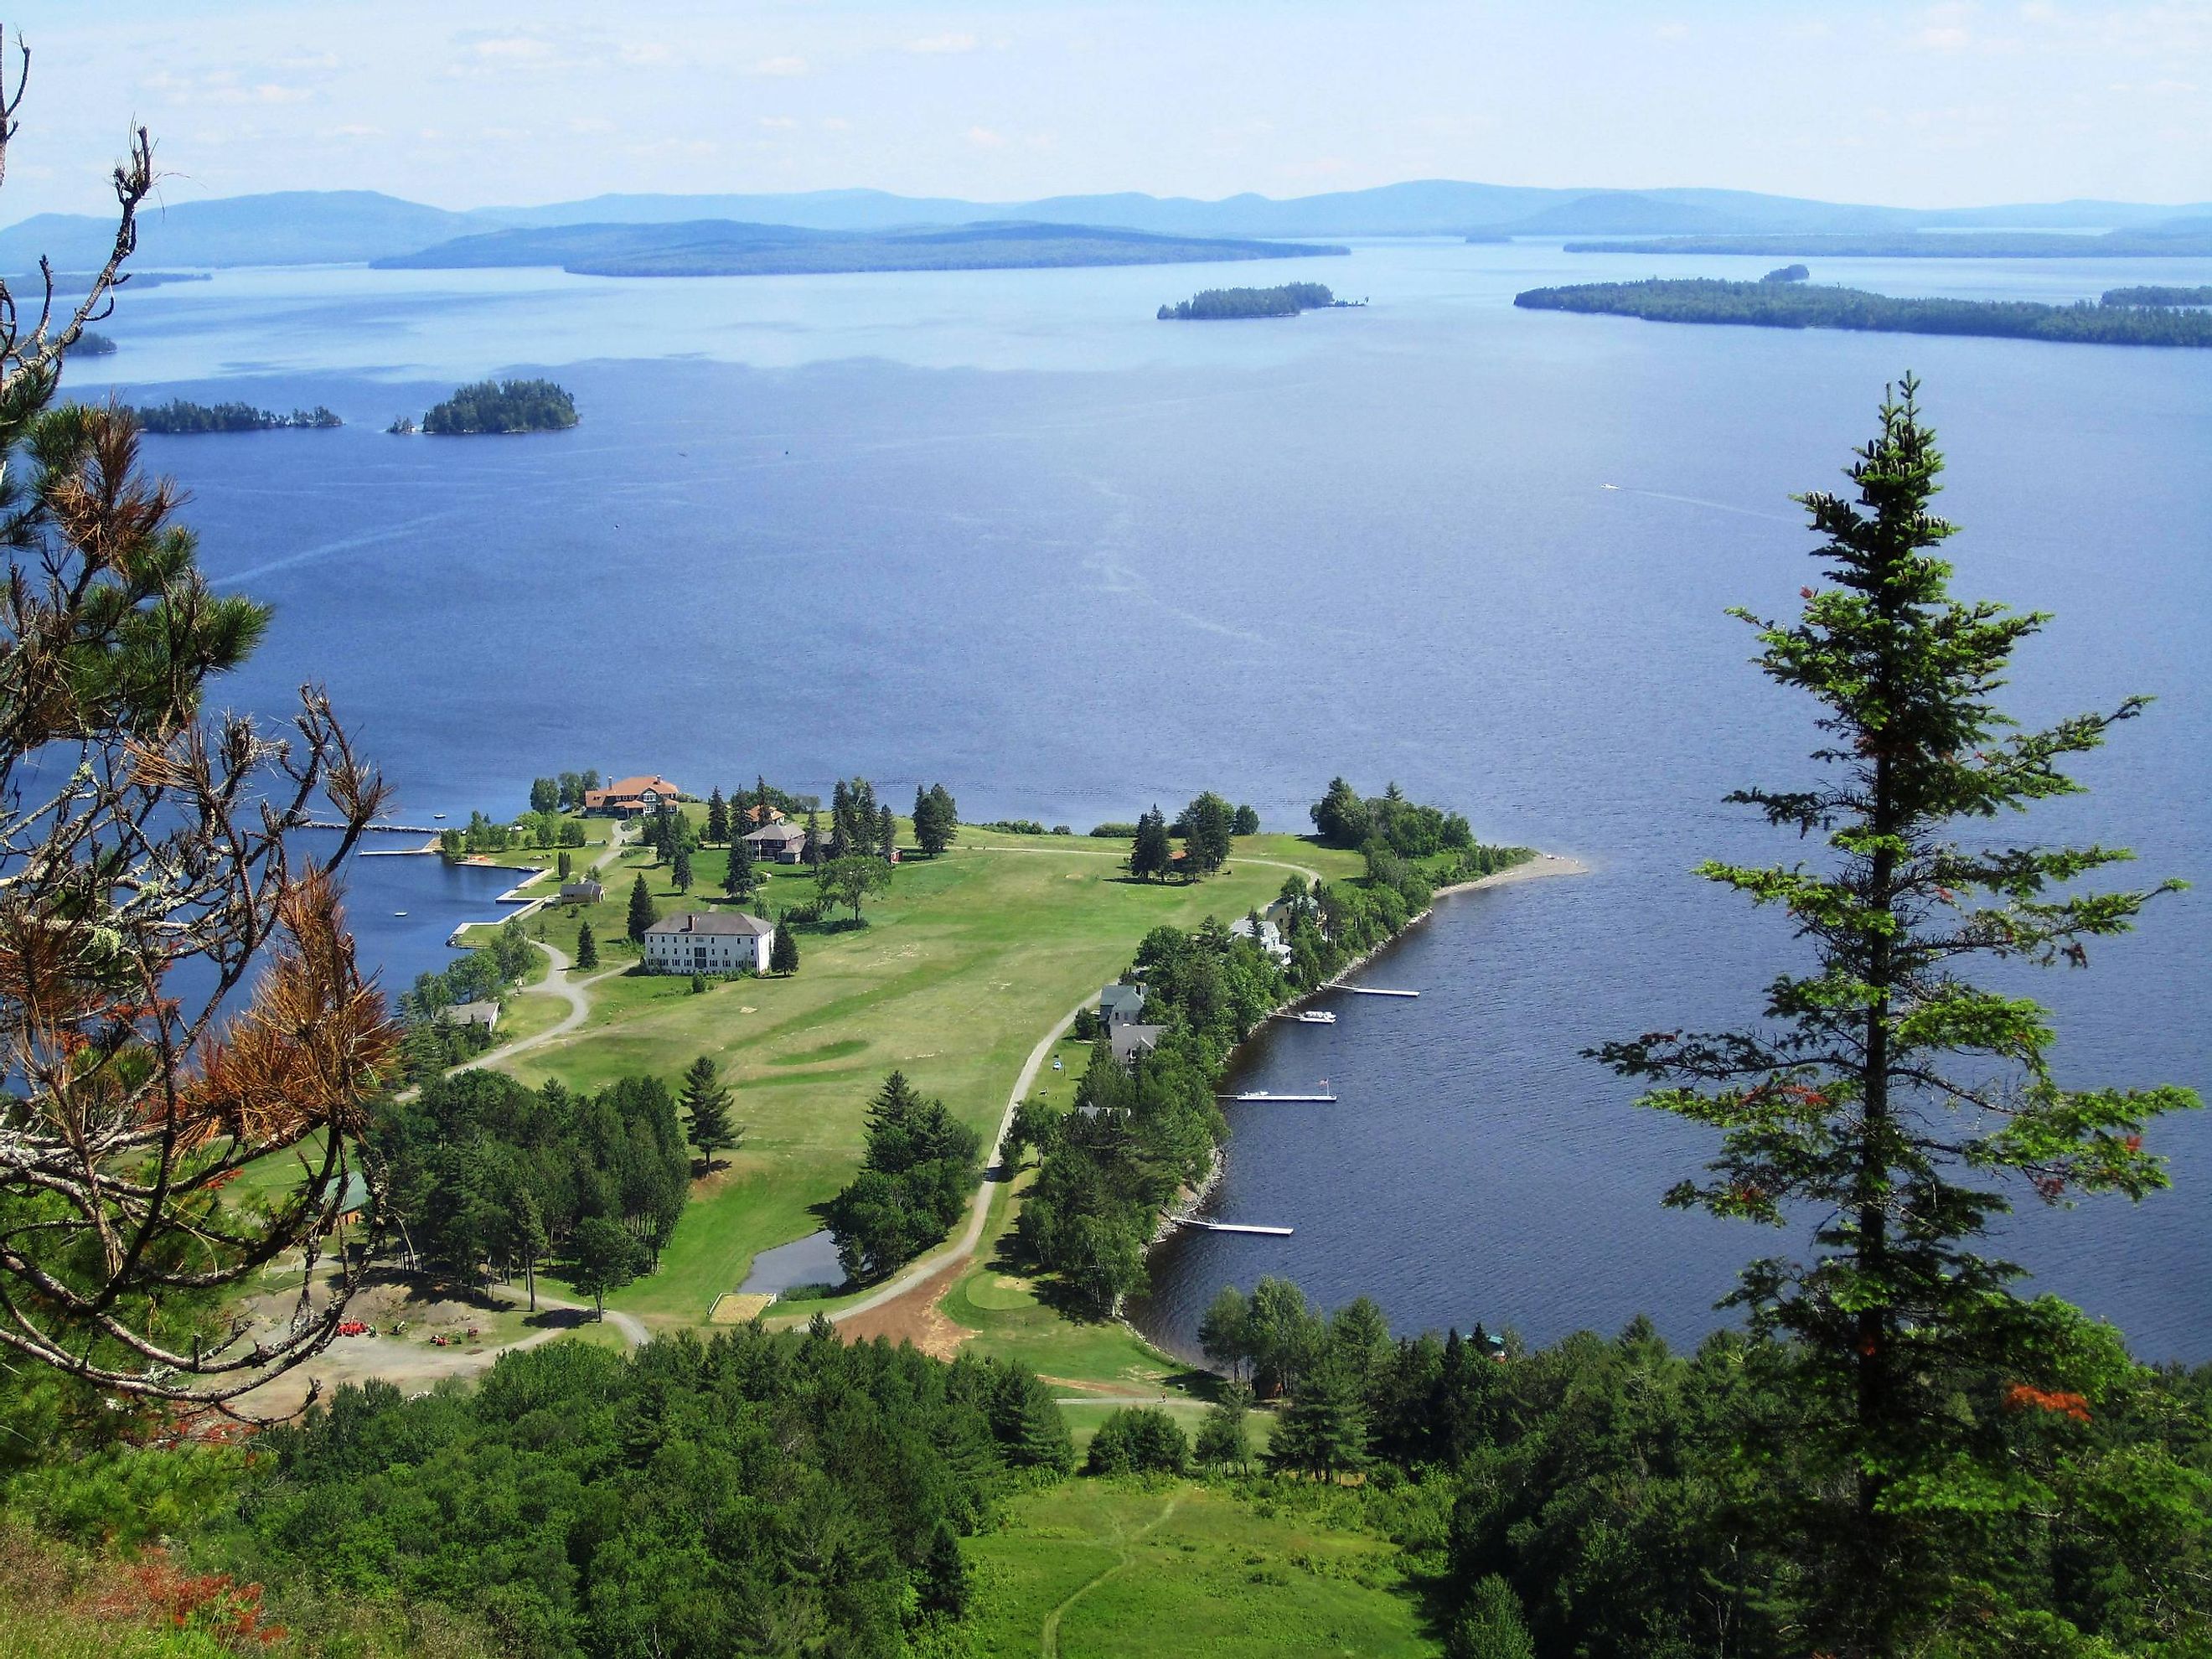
{"x":398,"y":913}
{"x":1314,"y":1016}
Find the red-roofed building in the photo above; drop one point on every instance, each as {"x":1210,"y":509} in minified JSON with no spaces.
{"x":629,"y":797}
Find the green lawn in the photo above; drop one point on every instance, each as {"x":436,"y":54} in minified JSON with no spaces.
{"x":963,"y":965}
{"x":1096,"y":1569}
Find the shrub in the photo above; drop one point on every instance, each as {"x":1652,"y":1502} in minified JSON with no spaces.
{"x":1137,"y":1440}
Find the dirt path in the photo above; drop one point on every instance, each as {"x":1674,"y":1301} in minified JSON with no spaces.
{"x":1126,"y":1548}
{"x":944,"y":1261}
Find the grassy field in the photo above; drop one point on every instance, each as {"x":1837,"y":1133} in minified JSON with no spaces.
{"x":1101,"y":1569}
{"x":967,"y":961}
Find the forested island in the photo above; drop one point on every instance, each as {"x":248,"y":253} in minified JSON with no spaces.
{"x":91,"y":344}
{"x":1216,"y":304}
{"x":2179,"y":238}
{"x":2151,"y":295}
{"x":502,"y":406}
{"x":1791,"y":305}
{"x":1787,"y":274}
{"x":720,"y":247}
{"x":181,"y":417}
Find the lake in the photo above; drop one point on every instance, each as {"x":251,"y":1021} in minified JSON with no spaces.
{"x":1006,"y":531}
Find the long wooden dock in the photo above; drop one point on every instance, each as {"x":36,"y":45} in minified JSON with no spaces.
{"x":1372,"y":991}
{"x":1262,"y":1097}
{"x":1229,"y":1227}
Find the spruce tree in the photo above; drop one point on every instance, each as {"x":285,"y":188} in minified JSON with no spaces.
{"x":1885,"y":1095}
{"x":739,"y":878}
{"x":587,"y":948}
{"x":681,"y":874}
{"x":783,"y":955}
{"x":813,"y":849}
{"x":706,"y":1101}
{"x":886,"y":833}
{"x":642,"y":914}
{"x":718,"y":817}
{"x":841,"y":815}
{"x":1150,"y":855}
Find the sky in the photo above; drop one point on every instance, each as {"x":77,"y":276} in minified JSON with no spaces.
{"x":473,"y":103}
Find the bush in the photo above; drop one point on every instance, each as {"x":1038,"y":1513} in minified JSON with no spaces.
{"x":1115,"y":831}
{"x":1138,"y":1440}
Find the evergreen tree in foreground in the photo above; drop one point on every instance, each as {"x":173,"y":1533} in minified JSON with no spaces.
{"x":706,"y":1101}
{"x":588,"y":947}
{"x":642,"y":914}
{"x":783,"y":955}
{"x":1887,"y":1095}
{"x":718,"y":817}
{"x":680,"y":874}
{"x":886,"y":833}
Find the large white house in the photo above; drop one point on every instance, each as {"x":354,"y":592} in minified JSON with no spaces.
{"x":709,"y":942}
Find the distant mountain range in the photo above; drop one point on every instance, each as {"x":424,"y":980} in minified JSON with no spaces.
{"x":724,"y":248}
{"x":346,"y":226}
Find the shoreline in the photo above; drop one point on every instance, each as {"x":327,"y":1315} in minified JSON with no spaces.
{"x":1543,"y":867}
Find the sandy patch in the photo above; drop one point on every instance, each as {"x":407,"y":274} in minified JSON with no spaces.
{"x":732,"y":1308}
{"x":916,"y":1317}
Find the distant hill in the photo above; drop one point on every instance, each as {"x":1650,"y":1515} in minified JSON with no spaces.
{"x":292,"y":228}
{"x":344,"y":227}
{"x":716,"y":247}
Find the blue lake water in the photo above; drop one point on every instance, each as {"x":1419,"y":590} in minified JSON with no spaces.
{"x":1005,"y":531}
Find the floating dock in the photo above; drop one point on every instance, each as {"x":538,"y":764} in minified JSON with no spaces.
{"x":1230,"y":1227}
{"x":1261,"y":1095}
{"x":1372,"y":991}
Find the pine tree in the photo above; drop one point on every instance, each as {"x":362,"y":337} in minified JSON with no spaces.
{"x":706,"y":1101}
{"x":718,"y":817}
{"x":587,"y":948}
{"x":886,"y":833}
{"x":1324,"y":1431}
{"x":813,"y":849}
{"x":563,"y":866}
{"x":681,"y":875}
{"x":1222,"y":1439}
{"x":841,"y":815}
{"x":1149,"y":855}
{"x":1886,"y":1094}
{"x":936,"y":819}
{"x":783,"y":955}
{"x":642,"y":914}
{"x":740,"y":879}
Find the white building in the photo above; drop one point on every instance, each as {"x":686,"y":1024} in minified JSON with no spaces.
{"x":709,"y":942}
{"x":1267,"y":935}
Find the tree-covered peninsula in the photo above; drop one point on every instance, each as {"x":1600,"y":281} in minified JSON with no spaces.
{"x":1794,"y":305}
{"x":1217,"y":304}
{"x":2153,"y":295}
{"x":181,"y":416}
{"x":503,"y":406}
{"x":90,"y":344}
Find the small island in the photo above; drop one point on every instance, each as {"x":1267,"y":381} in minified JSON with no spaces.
{"x":178,"y":418}
{"x":1787,"y":274}
{"x":1795,"y":305}
{"x":1217,"y":304}
{"x":90,"y":344}
{"x":500,"y":406}
{"x":2151,"y":295}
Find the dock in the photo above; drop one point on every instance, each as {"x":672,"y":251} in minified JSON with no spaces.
{"x":1372,"y":991}
{"x":1261,"y":1095}
{"x":1229,"y":1226}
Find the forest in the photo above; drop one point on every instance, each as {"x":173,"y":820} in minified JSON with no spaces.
{"x":180,"y":416}
{"x":503,"y":406}
{"x":2151,"y":295}
{"x":1215,"y":304}
{"x":1792,"y":305}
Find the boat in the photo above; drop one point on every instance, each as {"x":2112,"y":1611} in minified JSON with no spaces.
{"x":1314,"y":1016}
{"x":437,"y":815}
{"x":398,"y":913}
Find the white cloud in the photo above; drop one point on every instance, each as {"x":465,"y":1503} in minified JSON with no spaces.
{"x":779,"y":122}
{"x":781,"y":66}
{"x":645,"y":53}
{"x":984,"y":138}
{"x":835,"y":123}
{"x":513,"y":49}
{"x":932,"y":44}
{"x":352,"y":130}
{"x":590,"y":124}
